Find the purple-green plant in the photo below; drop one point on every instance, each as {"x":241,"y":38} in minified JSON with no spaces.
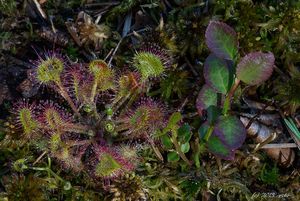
{"x":224,"y":69}
{"x":88,"y":132}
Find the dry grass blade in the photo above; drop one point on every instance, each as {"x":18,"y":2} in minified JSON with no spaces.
{"x":275,"y":146}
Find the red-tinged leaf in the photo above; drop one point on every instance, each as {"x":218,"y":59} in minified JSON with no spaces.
{"x":255,"y":67}
{"x":216,"y":144}
{"x":207,"y":97}
{"x":219,"y":149}
{"x":218,"y":74}
{"x":231,"y":131}
{"x":221,"y":39}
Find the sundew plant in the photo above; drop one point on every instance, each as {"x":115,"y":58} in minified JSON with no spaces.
{"x":105,"y":117}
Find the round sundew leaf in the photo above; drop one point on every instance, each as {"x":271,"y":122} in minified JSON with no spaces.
{"x":173,"y":157}
{"x":50,"y":70}
{"x":148,"y":64}
{"x":255,"y":67}
{"x":218,"y":148}
{"x":221,"y":39}
{"x":231,"y":131}
{"x":217,"y":74}
{"x":206,"y":97}
{"x":107,"y":166}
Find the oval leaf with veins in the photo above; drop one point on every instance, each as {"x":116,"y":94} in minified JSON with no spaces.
{"x":231,"y":131}
{"x":221,"y":39}
{"x":217,"y":74}
{"x":207,"y":97}
{"x":255,"y":67}
{"x":215,"y":145}
{"x":218,"y":148}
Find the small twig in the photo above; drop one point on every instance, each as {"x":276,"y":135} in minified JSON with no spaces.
{"x":114,"y":52}
{"x":191,"y":67}
{"x":190,"y":115}
{"x":183,"y":104}
{"x":119,"y":43}
{"x":258,"y":114}
{"x":180,"y":153}
{"x":276,"y":146}
{"x":266,"y":141}
{"x":39,"y":8}
{"x":108,"y":54}
{"x":102,"y":4}
{"x":156,"y":150}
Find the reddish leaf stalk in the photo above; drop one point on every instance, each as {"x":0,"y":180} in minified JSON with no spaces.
{"x":226,"y":106}
{"x":66,"y":96}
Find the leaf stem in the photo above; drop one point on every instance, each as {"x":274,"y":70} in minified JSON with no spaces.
{"x":177,"y":147}
{"x":208,"y":133}
{"x":66,"y":96}
{"x":156,"y":150}
{"x":94,"y":90}
{"x":226,"y":105}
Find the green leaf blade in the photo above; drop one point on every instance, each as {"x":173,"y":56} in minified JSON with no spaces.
{"x":184,"y":133}
{"x":221,"y":39}
{"x":231,"y":131}
{"x":173,"y":157}
{"x":219,"y":149}
{"x":255,"y":67}
{"x":217,"y":74}
{"x":207,"y":97}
